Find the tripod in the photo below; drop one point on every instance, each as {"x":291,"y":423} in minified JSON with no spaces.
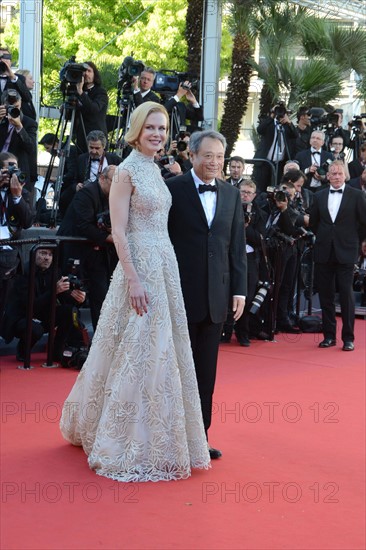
{"x":125,"y":107}
{"x":280,"y":144}
{"x":68,"y":116}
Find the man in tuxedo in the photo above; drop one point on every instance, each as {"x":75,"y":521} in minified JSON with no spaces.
{"x":338,"y":219}
{"x":312,"y":159}
{"x":206,"y":227}
{"x":236,"y":170}
{"x":142,"y":87}
{"x":88,"y":216}
{"x":91,"y":164}
{"x":18,"y":135}
{"x":92,"y":107}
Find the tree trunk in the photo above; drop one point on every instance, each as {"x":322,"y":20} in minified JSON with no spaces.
{"x":237,"y":93}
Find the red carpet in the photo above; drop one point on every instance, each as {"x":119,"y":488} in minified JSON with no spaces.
{"x":289,"y":419}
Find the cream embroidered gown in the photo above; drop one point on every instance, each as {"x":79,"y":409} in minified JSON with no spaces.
{"x":135,"y":406}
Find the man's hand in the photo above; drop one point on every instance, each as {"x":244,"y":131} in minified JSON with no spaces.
{"x":135,"y":82}
{"x":79,"y":86}
{"x":62,"y":285}
{"x":79,"y":186}
{"x":15,"y":187}
{"x":285,"y":120}
{"x":238,"y":307}
{"x":191,"y":97}
{"x":78,"y":295}
{"x":182,"y":91}
{"x":16,"y":122}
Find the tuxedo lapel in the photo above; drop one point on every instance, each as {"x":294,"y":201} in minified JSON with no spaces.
{"x":192,"y":195}
{"x":219,"y":199}
{"x":344,"y":202}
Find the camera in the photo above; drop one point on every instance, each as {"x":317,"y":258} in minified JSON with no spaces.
{"x":263,"y":288}
{"x":322,"y":170}
{"x":127,"y":70}
{"x":13,"y":112}
{"x":167,"y":159}
{"x":282,"y":195}
{"x":71,"y":74}
{"x":280,"y":111}
{"x":167,"y":80}
{"x":3,"y":66}
{"x":73,"y":275}
{"x":104,"y":221}
{"x":356,"y":123}
{"x":18,"y":173}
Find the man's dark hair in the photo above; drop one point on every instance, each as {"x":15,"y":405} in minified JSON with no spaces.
{"x":292,"y":175}
{"x":6,"y":156}
{"x":237,"y":159}
{"x":302,"y":111}
{"x":97,"y":77}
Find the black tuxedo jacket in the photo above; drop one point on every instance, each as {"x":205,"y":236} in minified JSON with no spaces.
{"x":344,"y":234}
{"x":305,"y":160}
{"x":151,"y":96}
{"x":212,"y":260}
{"x":23,"y":145}
{"x":19,"y":216}
{"x":93,"y":108}
{"x":355,"y":168}
{"x":83,"y":167}
{"x":20,"y":87}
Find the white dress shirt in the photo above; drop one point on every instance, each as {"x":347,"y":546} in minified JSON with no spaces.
{"x":334,"y":201}
{"x":208,"y":199}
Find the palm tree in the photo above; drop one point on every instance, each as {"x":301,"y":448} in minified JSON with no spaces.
{"x":193,"y":34}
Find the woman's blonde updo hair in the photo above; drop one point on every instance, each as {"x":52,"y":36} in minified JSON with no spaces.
{"x":138,"y":118}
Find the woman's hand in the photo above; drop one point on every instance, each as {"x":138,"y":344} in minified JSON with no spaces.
{"x":138,"y":296}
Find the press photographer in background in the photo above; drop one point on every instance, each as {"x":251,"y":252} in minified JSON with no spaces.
{"x":277,"y":143}
{"x":18,"y":135}
{"x":179,"y":148}
{"x":10,"y":80}
{"x":67,"y":315}
{"x":358,"y":165}
{"x":16,"y":214}
{"x":88,"y":216}
{"x":92,"y":106}
{"x":336,"y":147}
{"x":142,"y":85}
{"x":183,"y":106}
{"x":314,"y":162}
{"x":359,"y":281}
{"x":285,"y":226}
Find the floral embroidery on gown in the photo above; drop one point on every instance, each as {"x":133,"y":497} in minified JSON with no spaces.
{"x":135,"y":406}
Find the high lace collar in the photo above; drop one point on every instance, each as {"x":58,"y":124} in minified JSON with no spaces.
{"x":141,"y":156}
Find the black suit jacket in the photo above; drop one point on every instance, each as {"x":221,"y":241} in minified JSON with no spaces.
{"x":19,"y":216}
{"x":23,"y":145}
{"x":342,"y":235}
{"x":151,"y":96}
{"x":305,"y":160}
{"x":184,"y":111}
{"x":355,"y":168}
{"x":212,"y":260}
{"x":93,"y":109}
{"x":83,"y":167}
{"x":20,"y":87}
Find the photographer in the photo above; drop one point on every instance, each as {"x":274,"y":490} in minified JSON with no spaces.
{"x":359,"y":281}
{"x":18,"y":135}
{"x":88,"y":216}
{"x":142,"y":87}
{"x":336,"y":147}
{"x":303,"y":129}
{"x":92,"y":106}
{"x":91,"y":164}
{"x":255,"y":227}
{"x":179,"y":148}
{"x":182,"y":111}
{"x":16,"y":214}
{"x":169,"y":167}
{"x":314,"y":161}
{"x":10,"y":80}
{"x":277,"y":143}
{"x":15,"y":318}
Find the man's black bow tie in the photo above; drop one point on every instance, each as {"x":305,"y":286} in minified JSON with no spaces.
{"x":202,"y":188}
{"x":336,"y":191}
{"x":95,"y":160}
{"x":315,"y":153}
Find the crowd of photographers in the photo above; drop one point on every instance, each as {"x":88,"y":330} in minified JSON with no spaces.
{"x":290,"y":164}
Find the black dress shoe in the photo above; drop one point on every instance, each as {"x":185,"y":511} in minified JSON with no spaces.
{"x":327,"y":343}
{"x":214,"y":453}
{"x":289,"y":328}
{"x":243,"y":341}
{"x":348,"y":346}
